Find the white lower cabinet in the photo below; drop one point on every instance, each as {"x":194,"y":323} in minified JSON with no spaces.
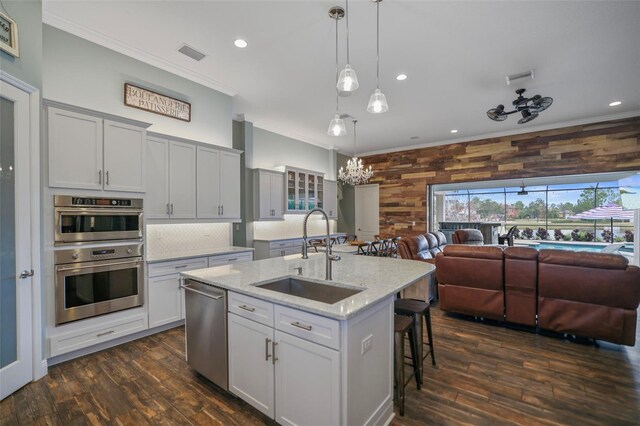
{"x":165,"y":301}
{"x":251,"y":372}
{"x":288,"y":378}
{"x":307,"y":382}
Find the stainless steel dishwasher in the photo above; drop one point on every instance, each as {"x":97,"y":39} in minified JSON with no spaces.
{"x":206,"y":331}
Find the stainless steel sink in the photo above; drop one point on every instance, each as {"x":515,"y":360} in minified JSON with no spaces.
{"x":325,"y":293}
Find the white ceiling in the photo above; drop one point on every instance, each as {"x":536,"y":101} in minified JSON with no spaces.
{"x":456,"y":54}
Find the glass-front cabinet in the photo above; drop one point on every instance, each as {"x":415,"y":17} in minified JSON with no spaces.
{"x":304,"y":190}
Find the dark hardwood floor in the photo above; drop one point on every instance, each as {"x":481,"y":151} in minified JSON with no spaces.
{"x":486,"y":374}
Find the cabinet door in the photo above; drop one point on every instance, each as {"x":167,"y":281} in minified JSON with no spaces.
{"x":331,"y":198}
{"x":208,"y":183}
{"x":75,"y":150}
{"x":276,"y":191}
{"x":302,"y":369}
{"x":165,"y":301}
{"x":262,"y":184}
{"x":124,"y":157}
{"x":251,"y":372}
{"x":156,"y":198}
{"x":182,"y":180}
{"x":230,"y":185}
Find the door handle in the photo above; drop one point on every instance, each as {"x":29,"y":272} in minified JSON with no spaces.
{"x":26,"y":274}
{"x":266,"y":349}
{"x":273,"y":351}
{"x":168,"y":209}
{"x":172,"y":208}
{"x":107,"y":177}
{"x":219,"y":211}
{"x":99,"y":177}
{"x":222,"y":209}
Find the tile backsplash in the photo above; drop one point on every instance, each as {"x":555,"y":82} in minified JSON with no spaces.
{"x":170,"y":238}
{"x":291,"y":227}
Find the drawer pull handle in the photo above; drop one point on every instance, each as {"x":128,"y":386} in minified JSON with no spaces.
{"x":302,"y":326}
{"x":105,"y":333}
{"x":181,"y":266}
{"x":247,"y":308}
{"x":232,"y":260}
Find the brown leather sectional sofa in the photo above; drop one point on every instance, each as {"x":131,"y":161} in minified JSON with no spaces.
{"x":592,"y":295}
{"x":422,"y":247}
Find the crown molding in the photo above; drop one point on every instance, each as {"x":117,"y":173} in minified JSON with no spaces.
{"x":591,"y":120}
{"x":132,"y":51}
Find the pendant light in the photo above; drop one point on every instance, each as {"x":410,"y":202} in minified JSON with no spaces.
{"x":348,"y":81}
{"x":336,"y":126}
{"x":355,"y":173}
{"x":377,"y":101}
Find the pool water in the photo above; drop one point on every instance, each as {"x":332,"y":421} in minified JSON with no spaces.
{"x":594,"y":248}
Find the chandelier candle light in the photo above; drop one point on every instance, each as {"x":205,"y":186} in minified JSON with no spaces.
{"x":336,"y":126}
{"x":377,"y":101}
{"x":348,"y":81}
{"x":355,"y":173}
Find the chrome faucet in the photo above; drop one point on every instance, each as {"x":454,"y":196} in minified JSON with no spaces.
{"x":330,"y":257}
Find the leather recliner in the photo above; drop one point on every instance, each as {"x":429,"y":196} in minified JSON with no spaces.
{"x":472,"y":237}
{"x":520,"y":284}
{"x":471,"y":281}
{"x":415,"y":248}
{"x":588,"y":294}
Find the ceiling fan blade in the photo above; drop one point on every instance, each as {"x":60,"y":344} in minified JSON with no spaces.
{"x":540,"y":104}
{"x":527,"y":117}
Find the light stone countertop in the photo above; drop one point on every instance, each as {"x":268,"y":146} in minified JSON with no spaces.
{"x":213,"y":251}
{"x":379,"y":277}
{"x":271,"y":240}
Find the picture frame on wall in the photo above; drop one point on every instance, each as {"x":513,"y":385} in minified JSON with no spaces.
{"x":9,"y":35}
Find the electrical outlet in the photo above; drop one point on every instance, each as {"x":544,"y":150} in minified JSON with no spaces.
{"x":237,"y":226}
{"x":367,"y":344}
{"x":413,"y":223}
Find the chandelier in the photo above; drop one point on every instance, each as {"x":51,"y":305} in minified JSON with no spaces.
{"x":355,"y":173}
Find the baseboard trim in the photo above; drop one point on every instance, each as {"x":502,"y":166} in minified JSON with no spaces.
{"x":111,"y":343}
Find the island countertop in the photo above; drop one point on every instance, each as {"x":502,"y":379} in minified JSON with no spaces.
{"x":379,"y":278}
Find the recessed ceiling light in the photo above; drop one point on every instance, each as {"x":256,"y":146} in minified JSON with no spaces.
{"x":615,"y":103}
{"x":240,"y":43}
{"x":414,"y":137}
{"x":454,"y":131}
{"x":401,"y":77}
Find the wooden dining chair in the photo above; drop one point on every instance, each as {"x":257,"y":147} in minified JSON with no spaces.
{"x":376,"y":248}
{"x":341,"y":239}
{"x":394,"y":249}
{"x":351,"y":237}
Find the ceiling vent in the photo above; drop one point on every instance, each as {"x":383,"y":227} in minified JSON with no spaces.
{"x":191,"y":52}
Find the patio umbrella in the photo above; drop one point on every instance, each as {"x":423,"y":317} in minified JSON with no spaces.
{"x":608,"y":211}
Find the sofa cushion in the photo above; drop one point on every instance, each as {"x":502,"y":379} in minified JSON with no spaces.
{"x":483,"y":252}
{"x":468,"y":236}
{"x":523,"y":253}
{"x":416,"y":248}
{"x":583,"y":259}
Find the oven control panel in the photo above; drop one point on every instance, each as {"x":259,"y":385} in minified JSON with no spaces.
{"x":98,"y":253}
{"x":71,"y":201}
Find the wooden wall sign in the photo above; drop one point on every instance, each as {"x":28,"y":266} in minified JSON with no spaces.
{"x":137,"y":97}
{"x":9,"y":35}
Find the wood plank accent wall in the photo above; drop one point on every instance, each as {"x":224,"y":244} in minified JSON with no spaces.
{"x":404,"y":175}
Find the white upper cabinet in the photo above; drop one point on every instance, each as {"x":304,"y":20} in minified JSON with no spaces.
{"x":268,"y":200}
{"x":229,"y":185}
{"x":90,"y":152}
{"x":331,"y":198}
{"x":208,"y":183}
{"x":156,"y":200}
{"x":124,"y":157}
{"x":75,"y":150}
{"x":182,"y":180}
{"x":189,"y":180}
{"x":218,"y":184}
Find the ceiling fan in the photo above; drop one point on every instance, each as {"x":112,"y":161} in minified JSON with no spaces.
{"x":528,"y":107}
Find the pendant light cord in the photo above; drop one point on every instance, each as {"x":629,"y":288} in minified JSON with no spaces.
{"x":355,"y":152}
{"x":347,"y":13}
{"x":377,"y":44}
{"x":337,"y":70}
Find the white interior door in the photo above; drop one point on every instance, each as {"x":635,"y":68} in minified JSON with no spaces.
{"x":367,"y":212}
{"x":16,"y":368}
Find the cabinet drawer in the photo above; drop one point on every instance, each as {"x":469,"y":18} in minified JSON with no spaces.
{"x":225,"y":259}
{"x":315,"y":328}
{"x":280,"y":244}
{"x":176,"y":266}
{"x":251,"y":308}
{"x":79,"y":339}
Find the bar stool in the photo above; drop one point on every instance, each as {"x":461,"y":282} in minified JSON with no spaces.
{"x":403,"y":325}
{"x":416,"y":309}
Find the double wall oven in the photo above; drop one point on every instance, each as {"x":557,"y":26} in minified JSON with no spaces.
{"x":101,"y":267}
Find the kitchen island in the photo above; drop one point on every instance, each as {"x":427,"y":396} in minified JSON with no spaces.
{"x":304,"y":361}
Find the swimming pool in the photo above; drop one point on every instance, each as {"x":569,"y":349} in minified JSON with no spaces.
{"x":575,"y":246}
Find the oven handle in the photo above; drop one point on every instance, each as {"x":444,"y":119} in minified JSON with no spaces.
{"x":137,"y":263}
{"x":201,"y":293}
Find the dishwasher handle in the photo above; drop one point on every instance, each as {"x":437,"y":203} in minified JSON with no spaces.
{"x":201,"y":293}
